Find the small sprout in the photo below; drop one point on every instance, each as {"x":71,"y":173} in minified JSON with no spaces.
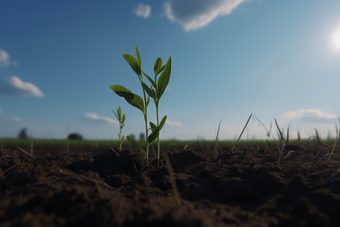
{"x":121,"y":119}
{"x":155,"y":92}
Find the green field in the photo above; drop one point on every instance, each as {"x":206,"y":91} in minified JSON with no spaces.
{"x":13,"y":142}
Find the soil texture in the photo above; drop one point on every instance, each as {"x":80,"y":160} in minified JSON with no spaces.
{"x":243,"y":187}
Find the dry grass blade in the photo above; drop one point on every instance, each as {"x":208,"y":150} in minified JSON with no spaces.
{"x":241,"y":133}
{"x":185,"y":147}
{"x":288,"y":134}
{"x":31,"y":143}
{"x":299,"y":139}
{"x":280,"y":151}
{"x":268,"y":145}
{"x":281,"y":134}
{"x":3,"y":173}
{"x":215,"y":149}
{"x":270,"y":128}
{"x":67,"y":140}
{"x":24,"y":151}
{"x":336,"y":141}
{"x":113,"y":149}
{"x":334,"y":145}
{"x":85,"y":178}
{"x":317,"y":136}
{"x":173,"y":182}
{"x":338,"y":132}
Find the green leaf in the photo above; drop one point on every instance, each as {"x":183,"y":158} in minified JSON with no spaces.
{"x":123,"y":120}
{"x":158,"y":65}
{"x":132,"y":53}
{"x":150,"y":80}
{"x":161,"y":69}
{"x":119,"y":111}
{"x":155,"y":130}
{"x":150,"y":92}
{"x":133,"y":99}
{"x":162,"y":122}
{"x":153,"y":126}
{"x":153,"y":136}
{"x":164,"y":78}
{"x":135,"y":144}
{"x":133,"y":63}
{"x":116,"y":115}
{"x":139,"y":59}
{"x":148,"y":101}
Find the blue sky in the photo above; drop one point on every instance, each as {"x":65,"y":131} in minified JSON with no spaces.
{"x":230,"y":58}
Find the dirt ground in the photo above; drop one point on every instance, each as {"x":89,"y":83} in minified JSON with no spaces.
{"x":247,"y":187}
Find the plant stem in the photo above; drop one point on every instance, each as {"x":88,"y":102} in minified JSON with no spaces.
{"x":120,"y":137}
{"x":146,"y":126}
{"x":159,"y":142}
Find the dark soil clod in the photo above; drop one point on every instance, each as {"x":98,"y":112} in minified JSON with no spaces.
{"x":246,"y":187}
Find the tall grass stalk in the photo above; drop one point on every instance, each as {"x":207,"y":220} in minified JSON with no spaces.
{"x":267,"y":131}
{"x":215,"y":148}
{"x":232,"y":149}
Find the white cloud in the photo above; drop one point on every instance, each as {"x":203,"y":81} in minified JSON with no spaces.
{"x":4,"y":58}
{"x":15,"y":86}
{"x":226,"y":129}
{"x":16,"y":119}
{"x":1,"y":111}
{"x":173,"y":123}
{"x":95,"y":117}
{"x":142,"y":10}
{"x":310,"y":115}
{"x":194,"y":14}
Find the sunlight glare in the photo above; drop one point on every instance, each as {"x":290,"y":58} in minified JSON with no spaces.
{"x":337,"y":40}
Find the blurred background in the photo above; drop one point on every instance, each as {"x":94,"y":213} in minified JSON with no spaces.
{"x":230,"y":58}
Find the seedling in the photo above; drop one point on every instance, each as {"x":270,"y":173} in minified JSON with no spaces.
{"x":121,"y":120}
{"x":155,"y":92}
{"x":267,"y":131}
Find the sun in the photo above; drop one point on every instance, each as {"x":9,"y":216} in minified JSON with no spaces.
{"x":337,"y":40}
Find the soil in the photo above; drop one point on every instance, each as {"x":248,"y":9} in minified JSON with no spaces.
{"x":246,"y":187}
